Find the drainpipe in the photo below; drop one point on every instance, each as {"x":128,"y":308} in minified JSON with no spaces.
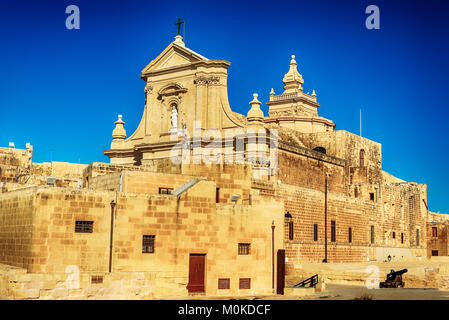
{"x":325,"y":218}
{"x":112,"y":234}
{"x":272,"y":254}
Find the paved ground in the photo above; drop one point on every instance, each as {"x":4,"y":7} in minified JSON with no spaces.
{"x":349,"y":292}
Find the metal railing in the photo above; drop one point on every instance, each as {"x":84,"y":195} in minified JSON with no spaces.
{"x":309,"y":282}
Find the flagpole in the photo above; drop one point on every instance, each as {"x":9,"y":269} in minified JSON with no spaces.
{"x":360,"y":121}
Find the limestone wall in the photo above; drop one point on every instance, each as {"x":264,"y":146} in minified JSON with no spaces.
{"x":150,"y":182}
{"x":16,"y":283}
{"x":307,"y":209}
{"x":309,"y":173}
{"x":437,"y":244}
{"x":229,"y":178}
{"x":17,"y":234}
{"x":59,"y":169}
{"x":345,"y":145}
{"x":110,"y":182}
{"x":13,"y":157}
{"x":194,"y":223}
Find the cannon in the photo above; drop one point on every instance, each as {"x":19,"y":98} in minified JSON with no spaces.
{"x":394,"y":279}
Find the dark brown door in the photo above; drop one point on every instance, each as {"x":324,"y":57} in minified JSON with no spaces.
{"x":281,"y":272}
{"x":197,"y":265}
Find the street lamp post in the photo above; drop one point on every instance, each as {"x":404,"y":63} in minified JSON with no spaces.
{"x":272,"y":254}
{"x":112,"y":234}
{"x":325,"y":218}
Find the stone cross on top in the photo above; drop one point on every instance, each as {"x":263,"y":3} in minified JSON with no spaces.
{"x":179,"y":25}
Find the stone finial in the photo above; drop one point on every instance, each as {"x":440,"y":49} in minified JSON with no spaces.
{"x":119,"y":133}
{"x":179,"y":41}
{"x":272,"y":94}
{"x":292,"y":79}
{"x":313,"y":93}
{"x":255,"y":114}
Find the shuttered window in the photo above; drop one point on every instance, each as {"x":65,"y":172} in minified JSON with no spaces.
{"x":244,"y":283}
{"x":224,"y":283}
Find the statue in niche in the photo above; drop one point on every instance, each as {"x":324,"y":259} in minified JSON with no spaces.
{"x":174,"y":118}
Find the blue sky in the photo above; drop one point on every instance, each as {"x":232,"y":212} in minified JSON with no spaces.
{"x":62,"y":89}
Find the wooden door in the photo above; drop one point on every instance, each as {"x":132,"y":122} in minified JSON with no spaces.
{"x":197,"y":264}
{"x":280,"y":272}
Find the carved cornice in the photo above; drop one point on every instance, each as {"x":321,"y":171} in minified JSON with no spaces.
{"x":279,"y":118}
{"x":191,"y":66}
{"x":209,"y":81}
{"x":292,"y":98}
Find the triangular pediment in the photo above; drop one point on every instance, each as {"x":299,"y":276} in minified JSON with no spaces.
{"x":173,"y":56}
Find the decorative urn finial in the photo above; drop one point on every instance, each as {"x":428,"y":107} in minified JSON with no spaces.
{"x":255,"y":114}
{"x":272,"y":94}
{"x":119,"y":133}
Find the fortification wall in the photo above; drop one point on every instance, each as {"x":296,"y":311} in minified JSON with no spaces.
{"x":309,"y":173}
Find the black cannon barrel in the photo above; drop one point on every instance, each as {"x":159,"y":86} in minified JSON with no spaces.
{"x":396,"y":273}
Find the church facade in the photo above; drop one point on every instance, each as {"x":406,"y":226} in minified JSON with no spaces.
{"x":202,"y":200}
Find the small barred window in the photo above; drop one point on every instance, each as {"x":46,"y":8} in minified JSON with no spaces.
{"x":84,"y":226}
{"x":165,"y":190}
{"x":148,"y":243}
{"x":244,"y":248}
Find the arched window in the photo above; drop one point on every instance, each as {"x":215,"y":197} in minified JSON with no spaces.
{"x":320,"y":149}
{"x":362,"y":158}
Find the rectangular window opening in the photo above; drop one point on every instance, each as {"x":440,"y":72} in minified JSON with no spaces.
{"x":290,"y":230}
{"x":148,"y":243}
{"x":434,"y":232}
{"x":244,"y":248}
{"x":350,"y":235}
{"x":165,"y":190}
{"x":224,"y":283}
{"x":333,"y":231}
{"x":96,"y":279}
{"x":244,"y":283}
{"x":315,"y":232}
{"x":84,"y":226}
